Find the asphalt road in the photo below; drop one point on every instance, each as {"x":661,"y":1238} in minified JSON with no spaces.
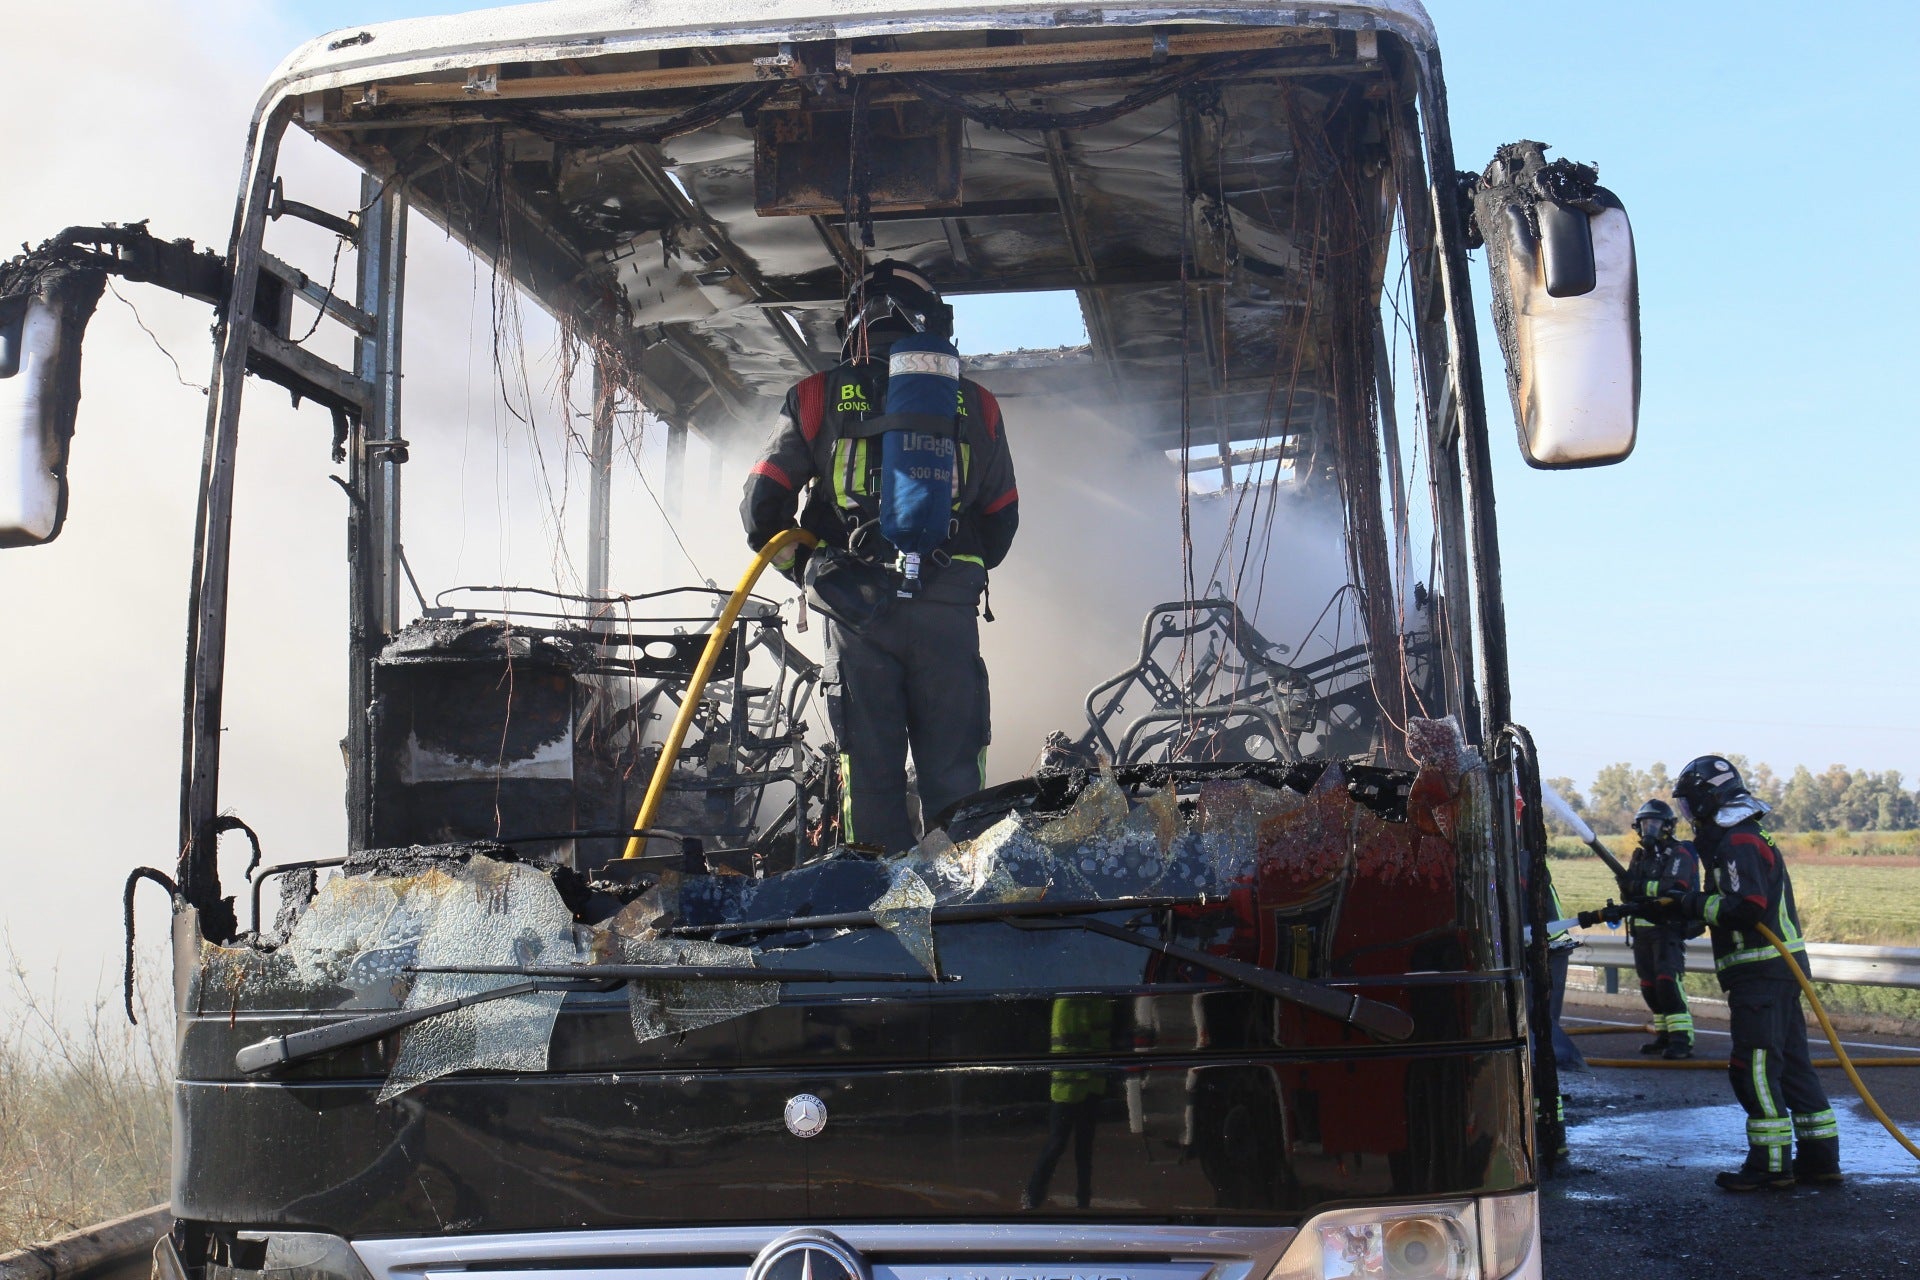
{"x":1636,"y":1198}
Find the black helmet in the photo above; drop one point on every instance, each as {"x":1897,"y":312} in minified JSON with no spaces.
{"x":892,"y":299}
{"x":1709,"y":784}
{"x":1659,"y":811}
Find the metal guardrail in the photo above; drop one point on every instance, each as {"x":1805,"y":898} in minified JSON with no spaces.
{"x":1829,"y":961}
{"x":118,"y":1250}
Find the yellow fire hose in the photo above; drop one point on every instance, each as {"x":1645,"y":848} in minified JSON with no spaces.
{"x":1833,"y":1038}
{"x":709,"y":658}
{"x":1840,"y":1058}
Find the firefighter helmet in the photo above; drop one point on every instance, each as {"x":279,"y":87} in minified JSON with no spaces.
{"x":890,"y":299}
{"x":1707,"y":785}
{"x":1659,"y":812}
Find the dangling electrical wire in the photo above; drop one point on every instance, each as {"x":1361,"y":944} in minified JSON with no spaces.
{"x":178,"y":375}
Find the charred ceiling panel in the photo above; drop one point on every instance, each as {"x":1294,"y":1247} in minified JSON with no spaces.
{"x":701,"y":210}
{"x":903,"y":153}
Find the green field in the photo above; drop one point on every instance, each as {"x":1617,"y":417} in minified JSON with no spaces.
{"x":1839,"y":901}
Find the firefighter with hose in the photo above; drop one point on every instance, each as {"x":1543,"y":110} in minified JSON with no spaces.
{"x":1792,"y":1133}
{"x":1662,"y":867}
{"x":912,"y":500}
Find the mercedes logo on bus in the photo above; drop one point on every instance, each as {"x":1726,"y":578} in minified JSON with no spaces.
{"x":809,"y":1254}
{"x":806,"y":1115}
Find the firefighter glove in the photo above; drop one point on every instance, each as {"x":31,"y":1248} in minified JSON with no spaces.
{"x":792,"y":563}
{"x":1689,"y":906}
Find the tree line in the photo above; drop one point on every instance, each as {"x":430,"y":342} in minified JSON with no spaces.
{"x":1836,"y":799}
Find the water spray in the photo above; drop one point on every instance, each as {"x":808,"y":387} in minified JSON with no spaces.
{"x":1564,"y":811}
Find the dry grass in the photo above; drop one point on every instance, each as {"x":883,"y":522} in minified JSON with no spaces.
{"x":84,"y":1111}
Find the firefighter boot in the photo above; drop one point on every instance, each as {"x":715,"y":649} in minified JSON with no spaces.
{"x":1769,"y":1144}
{"x":1661,"y":1037}
{"x":1817,"y":1159}
{"x":1755,"y":1175}
{"x":1678,"y":1047}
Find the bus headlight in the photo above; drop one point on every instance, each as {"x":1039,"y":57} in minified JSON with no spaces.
{"x":1491,"y":1239}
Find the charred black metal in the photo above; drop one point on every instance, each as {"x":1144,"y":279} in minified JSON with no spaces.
{"x":1482,"y":528}
{"x":131,"y":252}
{"x":1524,"y":763}
{"x":294,"y":897}
{"x":134,"y":878}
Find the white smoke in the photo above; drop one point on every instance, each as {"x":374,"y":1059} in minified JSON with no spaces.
{"x":1100,"y":545}
{"x":136,"y":110}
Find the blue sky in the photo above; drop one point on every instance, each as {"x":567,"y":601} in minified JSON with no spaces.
{"x":1746,"y":581}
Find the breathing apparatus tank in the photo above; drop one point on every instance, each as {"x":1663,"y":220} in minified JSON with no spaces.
{"x":919,"y":452}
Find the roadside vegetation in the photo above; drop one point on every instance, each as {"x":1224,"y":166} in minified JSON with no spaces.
{"x":1838,"y":800}
{"x":84,"y":1109}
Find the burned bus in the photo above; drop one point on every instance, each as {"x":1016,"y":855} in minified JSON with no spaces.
{"x":1221,"y":974}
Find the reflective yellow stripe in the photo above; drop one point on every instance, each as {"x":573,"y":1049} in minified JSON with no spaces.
{"x":972,"y":560}
{"x":842,"y":461}
{"x":858,"y":481}
{"x":1817,"y":1124}
{"x":1760,"y":1087}
{"x":846,"y":797}
{"x":1751,"y":954}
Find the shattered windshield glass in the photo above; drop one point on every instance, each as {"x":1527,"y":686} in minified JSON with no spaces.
{"x":1258,"y":867}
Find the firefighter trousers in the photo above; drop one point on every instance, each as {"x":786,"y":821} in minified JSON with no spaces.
{"x":1659,"y":958}
{"x":911,"y":681}
{"x":1774,"y":1079}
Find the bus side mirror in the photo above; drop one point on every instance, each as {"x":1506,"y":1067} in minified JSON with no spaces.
{"x":42,"y":324}
{"x":1566,"y":305}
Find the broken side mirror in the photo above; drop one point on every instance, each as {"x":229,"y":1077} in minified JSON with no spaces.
{"x":1566,"y":305}
{"x":44,"y":309}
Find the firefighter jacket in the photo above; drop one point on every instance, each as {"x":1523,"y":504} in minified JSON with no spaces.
{"x":824,"y":440}
{"x":1668,"y":869}
{"x":1746,"y":884}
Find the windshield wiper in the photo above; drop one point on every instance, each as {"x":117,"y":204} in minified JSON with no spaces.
{"x":678,"y":973}
{"x":1372,"y":1016}
{"x":959,"y":913}
{"x":297,"y":1046}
